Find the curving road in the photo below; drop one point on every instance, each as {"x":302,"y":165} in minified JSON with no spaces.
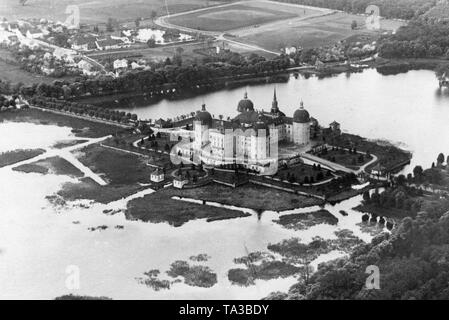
{"x":220,"y":36}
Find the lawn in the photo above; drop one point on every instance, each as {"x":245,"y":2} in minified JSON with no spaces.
{"x":301,"y":171}
{"x":250,"y":196}
{"x":160,"y":207}
{"x":11,"y":157}
{"x":13,"y":73}
{"x":391,"y":157}
{"x":55,"y":165}
{"x":239,"y":16}
{"x":346,"y":158}
{"x":99,"y":11}
{"x":310,"y":33}
{"x":119,"y":168}
{"x":81,"y":127}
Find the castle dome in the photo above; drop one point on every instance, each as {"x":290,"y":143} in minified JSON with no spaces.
{"x":245,"y":104}
{"x":204,"y":116}
{"x":301,"y":115}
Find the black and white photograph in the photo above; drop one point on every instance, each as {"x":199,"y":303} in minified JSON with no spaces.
{"x":248,"y":152}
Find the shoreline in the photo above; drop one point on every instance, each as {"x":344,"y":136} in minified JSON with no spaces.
{"x":381,"y":65}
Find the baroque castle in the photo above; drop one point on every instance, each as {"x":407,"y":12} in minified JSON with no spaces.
{"x":251,"y":138}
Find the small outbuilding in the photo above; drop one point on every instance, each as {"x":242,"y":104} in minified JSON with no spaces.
{"x":180,"y":182}
{"x":157,"y":175}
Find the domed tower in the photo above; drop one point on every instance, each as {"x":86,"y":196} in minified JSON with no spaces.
{"x":201,"y":125}
{"x":301,"y":126}
{"x":245,"y":105}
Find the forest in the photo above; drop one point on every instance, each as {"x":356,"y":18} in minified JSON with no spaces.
{"x":413,"y":260}
{"x":419,"y":39}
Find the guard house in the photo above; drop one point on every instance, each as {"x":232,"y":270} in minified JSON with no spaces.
{"x":157,"y":175}
{"x":335,"y":127}
{"x":180,"y":182}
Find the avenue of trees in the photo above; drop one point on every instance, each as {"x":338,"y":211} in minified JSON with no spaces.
{"x":84,"y":110}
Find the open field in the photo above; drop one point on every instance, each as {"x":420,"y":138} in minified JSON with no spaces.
{"x":98,"y":11}
{"x":240,"y":15}
{"x":11,"y":157}
{"x":311,"y":32}
{"x":54,"y":165}
{"x":192,"y":51}
{"x":250,"y":196}
{"x":160,"y":207}
{"x":81,"y":127}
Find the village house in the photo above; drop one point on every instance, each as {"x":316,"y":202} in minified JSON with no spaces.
{"x":109,"y":43}
{"x":335,"y":127}
{"x":84,"y":43}
{"x":120,"y":64}
{"x":34,"y":33}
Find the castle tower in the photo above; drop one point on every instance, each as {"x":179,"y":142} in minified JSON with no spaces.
{"x":201,"y":125}
{"x":301,"y":126}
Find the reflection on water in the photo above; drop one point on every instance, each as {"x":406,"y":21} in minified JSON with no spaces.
{"x":406,"y":108}
{"x":38,"y":242}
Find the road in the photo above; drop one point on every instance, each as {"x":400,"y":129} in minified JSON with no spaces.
{"x":220,"y":36}
{"x":336,"y":166}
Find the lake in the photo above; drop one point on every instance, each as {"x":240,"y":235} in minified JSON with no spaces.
{"x":407,"y":109}
{"x":39,"y":243}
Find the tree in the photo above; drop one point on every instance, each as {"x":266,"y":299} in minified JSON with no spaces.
{"x":418,"y":171}
{"x":153,"y":15}
{"x":366,"y":196}
{"x":179,"y":50}
{"x":110,"y":25}
{"x":354,"y":25}
{"x":151,"y":43}
{"x":440,"y":159}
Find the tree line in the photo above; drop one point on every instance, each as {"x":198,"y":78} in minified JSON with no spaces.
{"x":419,"y":39}
{"x":153,"y":81}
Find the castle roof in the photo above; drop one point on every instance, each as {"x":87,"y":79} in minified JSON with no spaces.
{"x":301,"y":115}
{"x":204,"y":116}
{"x":245,"y":104}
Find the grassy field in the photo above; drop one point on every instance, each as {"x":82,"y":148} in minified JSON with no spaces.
{"x":119,"y":168}
{"x":11,"y":157}
{"x":54,"y":165}
{"x":160,"y":207}
{"x":312,"y":32}
{"x":300,"y":171}
{"x":236,"y":16}
{"x":10,"y":71}
{"x":81,"y":127}
{"x":250,"y":196}
{"x":100,"y":10}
